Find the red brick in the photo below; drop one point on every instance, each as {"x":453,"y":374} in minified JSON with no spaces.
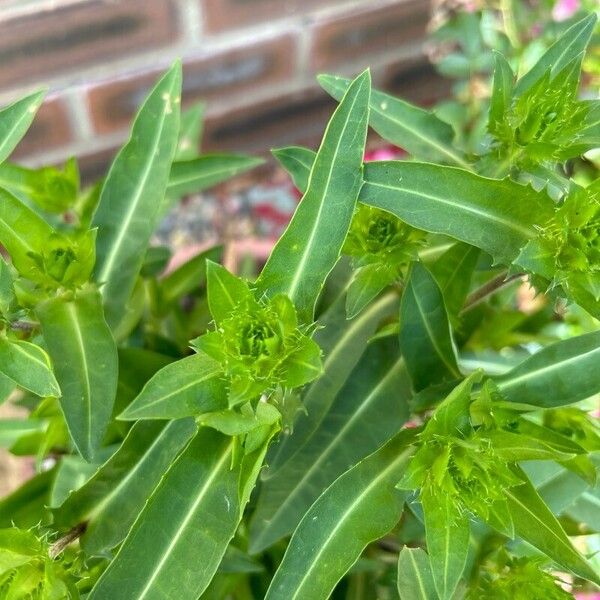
{"x":297,"y":118}
{"x":50,"y":129}
{"x":46,"y":43}
{"x":220,"y":15}
{"x":231,"y":73}
{"x":361,"y":34}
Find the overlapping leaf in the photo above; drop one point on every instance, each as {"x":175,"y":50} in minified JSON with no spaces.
{"x":133,"y":192}
{"x":310,"y":246}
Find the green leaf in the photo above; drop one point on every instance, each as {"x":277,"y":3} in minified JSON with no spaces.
{"x":298,"y":162}
{"x":535,"y":523}
{"x":15,"y":120}
{"x":22,"y":232}
{"x":367,"y":411}
{"x":193,"y":176}
{"x":28,"y":366}
{"x":447,"y":532}
{"x":189,"y":276}
{"x":515,"y":447}
{"x":154,"y":560}
{"x":27,"y":505}
{"x":190,"y":132}
{"x":420,"y":132}
{"x":498,"y":216}
{"x":358,"y":508}
{"x":303,"y":365}
{"x":110,"y":501}
{"x":72,"y":472}
{"x":501,"y":95}
{"x":342,"y":342}
{"x":85,"y":360}
{"x":17,"y":547}
{"x":367,"y":283}
{"x":7,"y":289}
{"x":586,"y":509}
{"x":568,"y":368}
{"x":557,"y":487}
{"x":188,"y":387}
{"x":453,"y":272}
{"x":133,"y":192}
{"x":570,"y":46}
{"x":13,"y":429}
{"x":414,"y":575}
{"x":310,"y":246}
{"x":225,"y":291}
{"x":425,"y":336}
{"x":155,"y":262}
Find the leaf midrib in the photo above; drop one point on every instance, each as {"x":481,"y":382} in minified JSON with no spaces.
{"x":71,"y":313}
{"x":453,"y":370}
{"x":446,"y":151}
{"x":552,"y":367}
{"x":151,"y":153}
{"x":188,"y":516}
{"x":308,"y":246}
{"x":382,"y":475}
{"x":495,"y":218}
{"x":335,"y":441}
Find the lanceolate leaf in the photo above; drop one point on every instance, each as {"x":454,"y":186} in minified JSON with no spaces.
{"x":425,"y":337}
{"x":197,"y":174}
{"x":15,"y":121}
{"x":498,"y":216}
{"x":568,"y":368}
{"x":28,"y":366}
{"x":414,"y":575}
{"x":188,"y":387}
{"x":310,"y":247}
{"x":571,"y":45}
{"x":501,"y":94}
{"x":535,"y":523}
{"x":298,"y":162}
{"x":343,"y":343}
{"x":420,"y":132}
{"x":368,"y":410}
{"x":85,"y":361}
{"x":453,"y":272}
{"x":133,"y":192}
{"x":447,"y":533}
{"x":225,"y":291}
{"x":22,"y":232}
{"x":111,"y":500}
{"x":154,"y":561}
{"x":358,"y":508}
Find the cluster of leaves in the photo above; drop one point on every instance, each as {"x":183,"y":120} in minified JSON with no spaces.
{"x":385,"y":409}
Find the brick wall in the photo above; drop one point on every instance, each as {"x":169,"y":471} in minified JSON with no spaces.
{"x":252,"y":61}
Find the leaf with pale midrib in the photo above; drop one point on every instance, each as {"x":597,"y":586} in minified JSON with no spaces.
{"x":311,"y":245}
{"x":133,"y":192}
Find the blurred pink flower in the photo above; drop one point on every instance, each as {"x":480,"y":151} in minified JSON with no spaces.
{"x":565,"y":9}
{"x":383,"y":153}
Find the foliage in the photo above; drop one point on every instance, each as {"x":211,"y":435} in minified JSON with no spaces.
{"x":382,"y":391}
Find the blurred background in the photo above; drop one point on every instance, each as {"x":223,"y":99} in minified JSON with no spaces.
{"x":252,"y":61}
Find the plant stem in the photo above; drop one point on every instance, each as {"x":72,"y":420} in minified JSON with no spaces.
{"x":58,"y":547}
{"x":487,"y":289}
